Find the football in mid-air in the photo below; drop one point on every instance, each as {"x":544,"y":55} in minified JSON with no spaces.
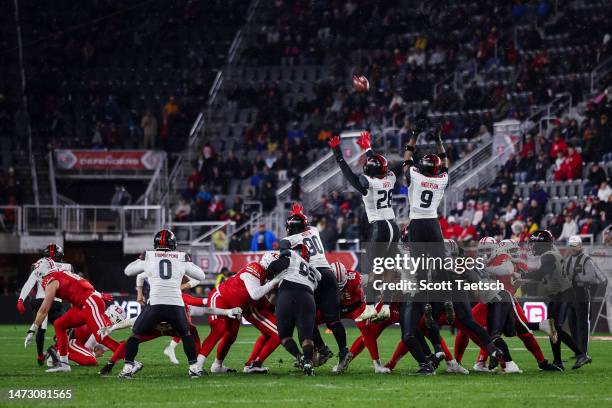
{"x":361,"y":83}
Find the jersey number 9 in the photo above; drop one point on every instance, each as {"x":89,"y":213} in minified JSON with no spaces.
{"x":426,"y":197}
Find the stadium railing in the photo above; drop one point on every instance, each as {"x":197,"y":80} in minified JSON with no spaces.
{"x":17,"y":227}
{"x":600,"y":72}
{"x":199,"y":233}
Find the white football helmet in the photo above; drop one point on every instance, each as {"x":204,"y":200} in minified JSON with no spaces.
{"x":511,"y":248}
{"x":115,"y":313}
{"x":340,"y":271}
{"x":487,"y":247}
{"x":268,"y":258}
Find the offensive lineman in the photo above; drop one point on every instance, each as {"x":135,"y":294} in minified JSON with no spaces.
{"x":52,"y":260}
{"x":295,"y":304}
{"x":326,"y":293}
{"x":164,"y":269}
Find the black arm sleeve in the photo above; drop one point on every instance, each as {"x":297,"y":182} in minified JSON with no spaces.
{"x":548,"y":265}
{"x":277,"y":266}
{"x":408,"y":163}
{"x":284,"y":244}
{"x":369,"y":153}
{"x":352,"y":178}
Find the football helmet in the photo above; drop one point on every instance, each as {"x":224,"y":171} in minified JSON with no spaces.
{"x":268,"y":258}
{"x":511,"y":248}
{"x":115,"y":313}
{"x":164,"y":240}
{"x":487,"y":247}
{"x":340,"y":271}
{"x":541,"y":241}
{"x":54,"y":252}
{"x":430,"y":164}
{"x":297,"y":221}
{"x":376,"y":166}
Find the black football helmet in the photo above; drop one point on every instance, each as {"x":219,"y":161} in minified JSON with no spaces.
{"x":164,"y":240}
{"x":541,"y":241}
{"x":430,"y":164}
{"x":376,"y":166}
{"x":54,"y":252}
{"x":297,"y":221}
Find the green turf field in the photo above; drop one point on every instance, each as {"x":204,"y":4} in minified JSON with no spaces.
{"x":161,"y":383}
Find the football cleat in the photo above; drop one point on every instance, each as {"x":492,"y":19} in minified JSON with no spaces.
{"x":196,"y":374}
{"x":582,"y":360}
{"x":169,"y":352}
{"x":426,"y":369}
{"x":298,"y":361}
{"x":493,"y":363}
{"x":106,"y":370}
{"x":53,"y":359}
{"x":126,"y":372}
{"x":378,"y":369}
{"x":390,"y":366}
{"x":481,"y":367}
{"x":60,"y":368}
{"x":137,"y":367}
{"x":255,"y":368}
{"x":544,"y":365}
{"x":548,"y":327}
{"x":345,"y":358}
{"x":453,"y":367}
{"x":219,"y":369}
{"x":429,"y":319}
{"x":308,"y":368}
{"x":559,"y":365}
{"x":511,"y":368}
{"x":323,"y":356}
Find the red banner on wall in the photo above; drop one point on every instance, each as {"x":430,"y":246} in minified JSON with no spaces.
{"x":236,"y":261}
{"x":107,"y":160}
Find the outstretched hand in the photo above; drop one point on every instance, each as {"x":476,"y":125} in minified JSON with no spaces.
{"x":364,"y":140}
{"x":334,"y":142}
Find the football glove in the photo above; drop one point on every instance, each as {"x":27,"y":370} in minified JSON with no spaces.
{"x":104,"y":331}
{"x":364,"y":141}
{"x":30,"y":335}
{"x":20,"y":306}
{"x":367,"y":314}
{"x":235,"y":313}
{"x":384,"y":314}
{"x":107,"y":297}
{"x":334,"y":142}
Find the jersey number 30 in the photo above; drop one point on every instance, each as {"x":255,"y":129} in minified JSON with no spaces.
{"x":165,"y":269}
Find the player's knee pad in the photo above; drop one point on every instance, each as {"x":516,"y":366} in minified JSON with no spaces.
{"x":307,"y":342}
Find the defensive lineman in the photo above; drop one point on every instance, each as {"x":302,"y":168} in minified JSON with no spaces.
{"x":53,"y":256}
{"x":164,"y":269}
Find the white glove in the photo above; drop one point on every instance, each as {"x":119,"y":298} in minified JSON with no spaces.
{"x":384,"y":314}
{"x":235,"y":313}
{"x":105,"y":331}
{"x":368,"y":313}
{"x":30,"y":335}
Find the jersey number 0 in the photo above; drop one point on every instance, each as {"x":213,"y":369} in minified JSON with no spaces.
{"x":165,"y":269}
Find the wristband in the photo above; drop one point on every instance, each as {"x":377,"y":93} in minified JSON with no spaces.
{"x":33,"y":328}
{"x":442,"y":155}
{"x":408,"y":163}
{"x":410,"y":148}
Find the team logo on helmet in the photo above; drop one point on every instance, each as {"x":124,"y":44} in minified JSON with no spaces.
{"x":487,"y":247}
{"x":430,"y":165}
{"x":340,"y":272}
{"x":115,"y":313}
{"x":164,"y":239}
{"x":297,"y":221}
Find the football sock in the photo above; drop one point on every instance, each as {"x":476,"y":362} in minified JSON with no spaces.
{"x":291,"y":346}
{"x":173,"y":344}
{"x":268,"y":348}
{"x":190,"y":348}
{"x":501,"y":344}
{"x":40,"y":341}
{"x":318,"y":340}
{"x":257,"y":348}
{"x":308,"y":352}
{"x":131,"y":349}
{"x":339,"y":332}
{"x":200,"y":362}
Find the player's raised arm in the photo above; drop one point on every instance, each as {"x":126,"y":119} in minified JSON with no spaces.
{"x":26,"y":289}
{"x":359,"y":183}
{"x":442,"y":153}
{"x":136,"y":267}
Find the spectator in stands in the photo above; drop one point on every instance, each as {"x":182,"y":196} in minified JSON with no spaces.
{"x":590,"y":226}
{"x":453,"y":230}
{"x":263,"y":240}
{"x":569,"y":229}
{"x":538,"y":194}
{"x":468,"y":232}
{"x":182,"y":211}
{"x":559,"y":146}
{"x":121,"y":197}
{"x":222,"y":276}
{"x":596,"y":176}
{"x":535,"y":211}
{"x":149,"y":129}
{"x":604,"y":191}
{"x":503,"y":198}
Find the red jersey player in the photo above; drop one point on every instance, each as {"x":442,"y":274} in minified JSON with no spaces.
{"x":87,"y":308}
{"x":241,"y":290}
